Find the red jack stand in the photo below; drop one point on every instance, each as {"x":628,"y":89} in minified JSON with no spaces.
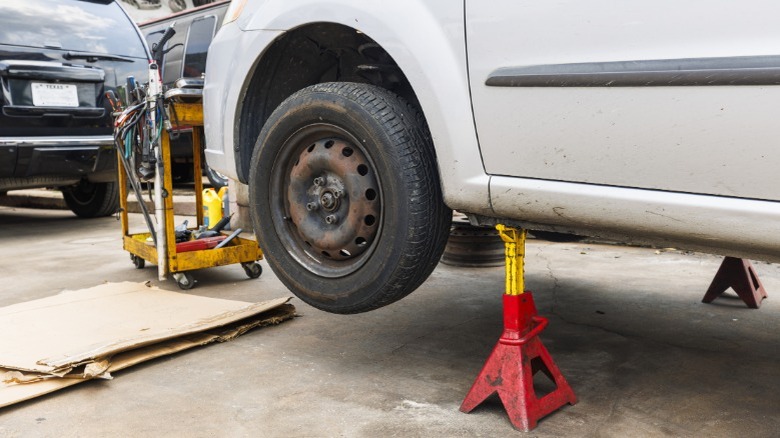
{"x":739,"y":275}
{"x":519,"y":353}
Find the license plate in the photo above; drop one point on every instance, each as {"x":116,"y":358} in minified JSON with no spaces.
{"x":54,"y":95}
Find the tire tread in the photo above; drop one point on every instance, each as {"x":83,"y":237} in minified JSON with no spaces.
{"x":429,"y":218}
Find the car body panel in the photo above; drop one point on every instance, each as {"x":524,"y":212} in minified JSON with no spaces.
{"x":720,"y":225}
{"x":220,"y":100}
{"x":687,"y":164}
{"x":435,"y":66}
{"x":676,"y":134}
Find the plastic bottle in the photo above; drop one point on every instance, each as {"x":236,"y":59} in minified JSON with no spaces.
{"x":223,"y":193}
{"x":212,"y":207}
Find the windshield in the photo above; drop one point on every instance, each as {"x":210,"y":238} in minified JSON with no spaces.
{"x":100,"y":27}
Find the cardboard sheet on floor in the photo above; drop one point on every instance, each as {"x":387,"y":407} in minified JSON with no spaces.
{"x":62,"y":340}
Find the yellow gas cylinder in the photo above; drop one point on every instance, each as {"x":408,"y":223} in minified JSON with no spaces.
{"x":212,"y":207}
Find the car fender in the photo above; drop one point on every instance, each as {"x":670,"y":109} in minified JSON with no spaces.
{"x":434,"y":64}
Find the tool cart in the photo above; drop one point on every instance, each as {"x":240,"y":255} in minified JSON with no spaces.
{"x":143,"y":148}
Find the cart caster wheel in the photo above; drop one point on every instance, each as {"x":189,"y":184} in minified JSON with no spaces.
{"x":184,"y":280}
{"x":253,"y":270}
{"x":137,"y":261}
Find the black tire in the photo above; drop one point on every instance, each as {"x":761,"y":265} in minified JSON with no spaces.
{"x":185,"y":280}
{"x":177,"y":5}
{"x":90,"y":200}
{"x":361,"y":155}
{"x":138,"y":262}
{"x":253,"y":270}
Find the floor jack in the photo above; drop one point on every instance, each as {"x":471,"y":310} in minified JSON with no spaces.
{"x":519,"y":354}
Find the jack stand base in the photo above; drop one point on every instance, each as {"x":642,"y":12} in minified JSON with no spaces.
{"x":739,"y":275}
{"x":511,"y":366}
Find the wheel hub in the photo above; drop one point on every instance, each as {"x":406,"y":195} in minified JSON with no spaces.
{"x":329,"y":201}
{"x":333,"y":202}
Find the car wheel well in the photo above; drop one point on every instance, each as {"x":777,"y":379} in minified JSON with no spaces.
{"x":308,"y":55}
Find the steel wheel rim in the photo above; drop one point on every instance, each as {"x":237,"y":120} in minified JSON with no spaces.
{"x":326,"y":200}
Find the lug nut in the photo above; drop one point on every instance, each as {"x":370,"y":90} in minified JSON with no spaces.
{"x":337,"y":193}
{"x":311,"y":206}
{"x":319,"y":181}
{"x":331,"y":219}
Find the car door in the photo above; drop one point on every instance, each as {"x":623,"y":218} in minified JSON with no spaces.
{"x":669,"y":95}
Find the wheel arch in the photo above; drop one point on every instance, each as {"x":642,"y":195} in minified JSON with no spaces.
{"x":432,"y":75}
{"x":310,"y":54}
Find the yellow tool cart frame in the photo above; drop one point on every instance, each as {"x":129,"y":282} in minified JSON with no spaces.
{"x":179,"y":264}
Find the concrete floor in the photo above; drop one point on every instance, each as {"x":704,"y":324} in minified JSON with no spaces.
{"x":627,"y":328}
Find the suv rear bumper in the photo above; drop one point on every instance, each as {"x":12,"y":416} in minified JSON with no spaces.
{"x":34,"y":157}
{"x":102,"y":140}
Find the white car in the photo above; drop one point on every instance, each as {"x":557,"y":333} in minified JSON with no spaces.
{"x":359,"y":124}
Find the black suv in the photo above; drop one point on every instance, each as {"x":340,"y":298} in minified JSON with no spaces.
{"x":58,"y":58}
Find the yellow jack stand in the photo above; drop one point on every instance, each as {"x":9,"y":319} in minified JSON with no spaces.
{"x":519,"y":353}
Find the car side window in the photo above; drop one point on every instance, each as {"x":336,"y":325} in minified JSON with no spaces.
{"x":199,"y":37}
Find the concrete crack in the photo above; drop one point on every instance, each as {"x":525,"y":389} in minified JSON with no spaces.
{"x":551,"y":274}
